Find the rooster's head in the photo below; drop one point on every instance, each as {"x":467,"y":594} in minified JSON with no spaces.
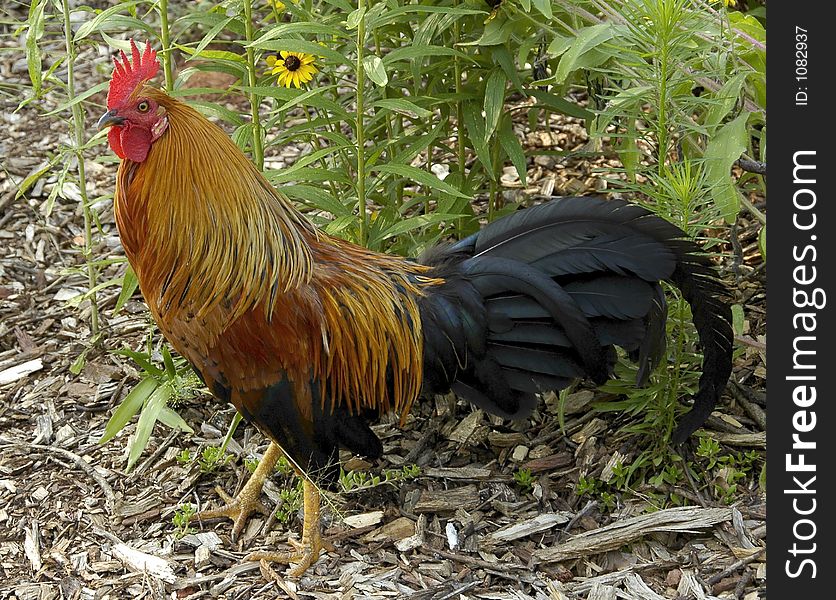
{"x":135,"y":119}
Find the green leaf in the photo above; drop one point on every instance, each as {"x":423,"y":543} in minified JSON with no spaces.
{"x":147,"y":419}
{"x":314,"y":97}
{"x":78,"y":364}
{"x":724,"y":101}
{"x":211,"y":35}
{"x":394,"y":14}
{"x":374,"y":69}
{"x":723,"y":149}
{"x":737,"y":319}
{"x":128,"y":408}
{"x":99,"y":20}
{"x":561,"y":105}
{"x":494,"y":100}
{"x":410,"y":224}
{"x":295,"y":172}
{"x":170,"y":418}
{"x":475,"y":127}
{"x":503,"y":57}
{"x":354,"y":18}
{"x":30,"y":179}
{"x":512,"y":146}
{"x":586,"y":40}
{"x":211,"y":54}
{"x":403,"y":106}
{"x":80,"y":98}
{"x":129,"y":285}
{"x":33,"y":50}
{"x":308,"y":175}
{"x":497,"y":31}
{"x":422,"y":51}
{"x":317,"y":198}
{"x":303,"y":27}
{"x":559,"y":45}
{"x":170,"y":369}
{"x":545,"y":7}
{"x":218,"y":111}
{"x":142,"y":360}
{"x":422,"y":177}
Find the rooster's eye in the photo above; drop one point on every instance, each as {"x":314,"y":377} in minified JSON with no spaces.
{"x":143,"y":106}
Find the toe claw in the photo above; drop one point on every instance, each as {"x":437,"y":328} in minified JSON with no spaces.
{"x":304,"y":555}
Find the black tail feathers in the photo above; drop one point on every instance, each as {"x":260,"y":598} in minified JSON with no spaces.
{"x":539,"y":298}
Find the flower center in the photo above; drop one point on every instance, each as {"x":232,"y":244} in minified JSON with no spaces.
{"x":292,"y":63}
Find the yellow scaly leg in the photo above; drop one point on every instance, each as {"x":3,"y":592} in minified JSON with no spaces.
{"x":308,"y":550}
{"x":248,"y":500}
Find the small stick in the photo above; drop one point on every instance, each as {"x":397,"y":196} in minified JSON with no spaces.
{"x":477,"y":562}
{"x":110,"y":498}
{"x":734,"y":567}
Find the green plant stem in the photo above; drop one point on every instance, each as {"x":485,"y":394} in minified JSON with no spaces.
{"x":252,"y":77}
{"x":230,"y":432}
{"x":165,"y":40}
{"x":662,"y":122}
{"x":460,"y":141}
{"x":361,"y":142}
{"x":78,"y":131}
{"x":495,"y":202}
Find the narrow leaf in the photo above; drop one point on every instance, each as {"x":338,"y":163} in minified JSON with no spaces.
{"x":147,"y":419}
{"x":403,"y":106}
{"x":512,"y":146}
{"x":420,"y":176}
{"x":129,"y":285}
{"x":99,"y":20}
{"x":494,"y":100}
{"x":560,"y":105}
{"x":586,"y":40}
{"x":170,"y":418}
{"x":33,"y":50}
{"x":475,"y":126}
{"x":128,"y":408}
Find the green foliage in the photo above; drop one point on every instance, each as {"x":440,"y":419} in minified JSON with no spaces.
{"x":353,"y":481}
{"x":726,"y":471}
{"x":524,"y":480}
{"x":290,"y":501}
{"x":211,"y":458}
{"x":153,"y":397}
{"x":715,"y":471}
{"x":182,"y":516}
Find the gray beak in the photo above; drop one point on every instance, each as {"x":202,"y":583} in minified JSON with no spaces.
{"x":108,"y":119}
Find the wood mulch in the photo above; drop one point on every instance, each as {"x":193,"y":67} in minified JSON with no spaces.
{"x":74,"y":524}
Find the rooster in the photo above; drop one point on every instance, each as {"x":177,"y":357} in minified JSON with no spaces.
{"x":310,"y":336}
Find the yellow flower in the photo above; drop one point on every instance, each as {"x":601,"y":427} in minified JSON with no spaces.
{"x":293,"y":68}
{"x":278,"y":5}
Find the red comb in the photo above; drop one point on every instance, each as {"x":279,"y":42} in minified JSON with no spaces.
{"x":127,"y":76}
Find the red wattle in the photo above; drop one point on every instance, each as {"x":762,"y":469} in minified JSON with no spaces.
{"x":130,"y":142}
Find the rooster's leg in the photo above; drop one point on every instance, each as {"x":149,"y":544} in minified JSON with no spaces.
{"x":247,"y":502}
{"x":307,"y":551}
